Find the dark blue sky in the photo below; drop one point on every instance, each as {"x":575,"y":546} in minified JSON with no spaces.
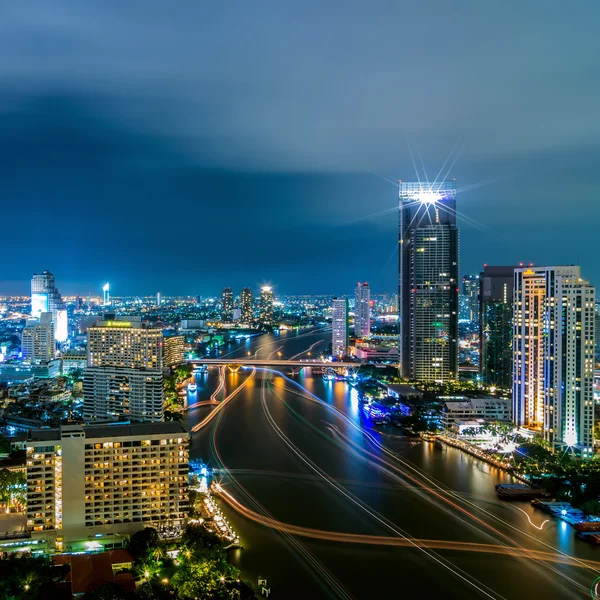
{"x":188,"y":146}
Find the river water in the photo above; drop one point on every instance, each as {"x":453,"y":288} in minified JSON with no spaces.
{"x":299,"y":450}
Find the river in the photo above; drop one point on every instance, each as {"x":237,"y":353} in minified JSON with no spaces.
{"x":299,"y":450}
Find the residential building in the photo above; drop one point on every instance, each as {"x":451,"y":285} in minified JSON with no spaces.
{"x":124,"y":378}
{"x":362,"y":310}
{"x":553,"y":355}
{"x":227,"y":305}
{"x":266,"y":305}
{"x":496,"y":325}
{"x":246,"y":306}
{"x":91,"y":487}
{"x":37,"y":339}
{"x":459,"y":409}
{"x":173,"y":350}
{"x":471,"y":294}
{"x":340,"y":329}
{"x":428,"y":270}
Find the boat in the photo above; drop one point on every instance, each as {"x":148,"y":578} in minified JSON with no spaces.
{"x":192,"y":387}
{"x":518,"y":491}
{"x":587,"y":526}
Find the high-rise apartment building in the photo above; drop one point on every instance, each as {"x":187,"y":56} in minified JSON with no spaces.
{"x":553,"y":355}
{"x":247,"y":306}
{"x":339,"y":327}
{"x":266,"y":305}
{"x":227,"y":305}
{"x":173,"y":350}
{"x":428,"y":270}
{"x":92,"y":487}
{"x":362,"y":310}
{"x":471,"y":294}
{"x":37,"y":339}
{"x":124,"y":378}
{"x":496,"y":325}
{"x":45,"y":297}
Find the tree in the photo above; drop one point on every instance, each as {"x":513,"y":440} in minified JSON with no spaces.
{"x":109,"y":591}
{"x":5,"y":446}
{"x":143,"y":542}
{"x":209,"y":578}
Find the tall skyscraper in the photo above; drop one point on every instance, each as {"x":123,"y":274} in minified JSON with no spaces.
{"x":339,"y":327}
{"x":362,"y":310}
{"x":471,"y":293}
{"x":104,"y":482}
{"x":124,"y":378}
{"x":106,"y":294}
{"x":227,"y":305}
{"x":247,"y":308}
{"x":496,"y":325}
{"x":266,"y":305}
{"x":553,"y":353}
{"x":37,"y":339}
{"x":45,"y":297}
{"x":158,"y":299}
{"x":428,"y":270}
{"x":173,"y":350}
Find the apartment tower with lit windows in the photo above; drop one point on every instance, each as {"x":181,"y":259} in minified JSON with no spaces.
{"x":553,"y":355}
{"x":90,"y":488}
{"x":428,"y":277}
{"x":362,"y":310}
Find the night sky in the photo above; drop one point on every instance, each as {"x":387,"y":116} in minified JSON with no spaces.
{"x":188,"y":146}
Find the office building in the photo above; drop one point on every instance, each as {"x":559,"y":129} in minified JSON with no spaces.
{"x":124,"y":378}
{"x":90,"y":487}
{"x":553,"y":355}
{"x":227,"y":305}
{"x":339,"y":325}
{"x":247,"y":305}
{"x":158,"y":299}
{"x":45,"y":297}
{"x":362,"y":311}
{"x":37,"y":339}
{"x":266,"y":305}
{"x":471,"y":294}
{"x":106,"y":294}
{"x":428,"y":274}
{"x":496,"y":325}
{"x":173,"y":350}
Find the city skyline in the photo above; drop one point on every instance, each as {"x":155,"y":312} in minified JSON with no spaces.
{"x":143,"y":142}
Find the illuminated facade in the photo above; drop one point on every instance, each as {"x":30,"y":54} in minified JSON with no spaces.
{"x":96,"y":485}
{"x":428,"y":277}
{"x":227,"y":305}
{"x":247,"y":306}
{"x":553,"y":355}
{"x":339,"y":327}
{"x":37,"y":339}
{"x":496,"y":325}
{"x":266,"y":305}
{"x":124,"y":378}
{"x":45,"y":297}
{"x":362,"y":311}
{"x":173,"y":350}
{"x":471,"y":293}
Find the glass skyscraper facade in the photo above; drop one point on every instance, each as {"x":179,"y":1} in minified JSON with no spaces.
{"x":428,"y":277}
{"x":496,"y":325}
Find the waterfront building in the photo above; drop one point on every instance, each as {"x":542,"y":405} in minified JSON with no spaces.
{"x":496,"y":325}
{"x":428,"y":270}
{"x":45,"y":297}
{"x":37,"y":339}
{"x":471,"y":294}
{"x":266,"y":305}
{"x":339,"y":332}
{"x":124,"y":378}
{"x":90,"y":487}
{"x":362,"y":310}
{"x":247,"y":306}
{"x":173,"y":350}
{"x":459,"y":409}
{"x":227,"y":305}
{"x":553,"y":355}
